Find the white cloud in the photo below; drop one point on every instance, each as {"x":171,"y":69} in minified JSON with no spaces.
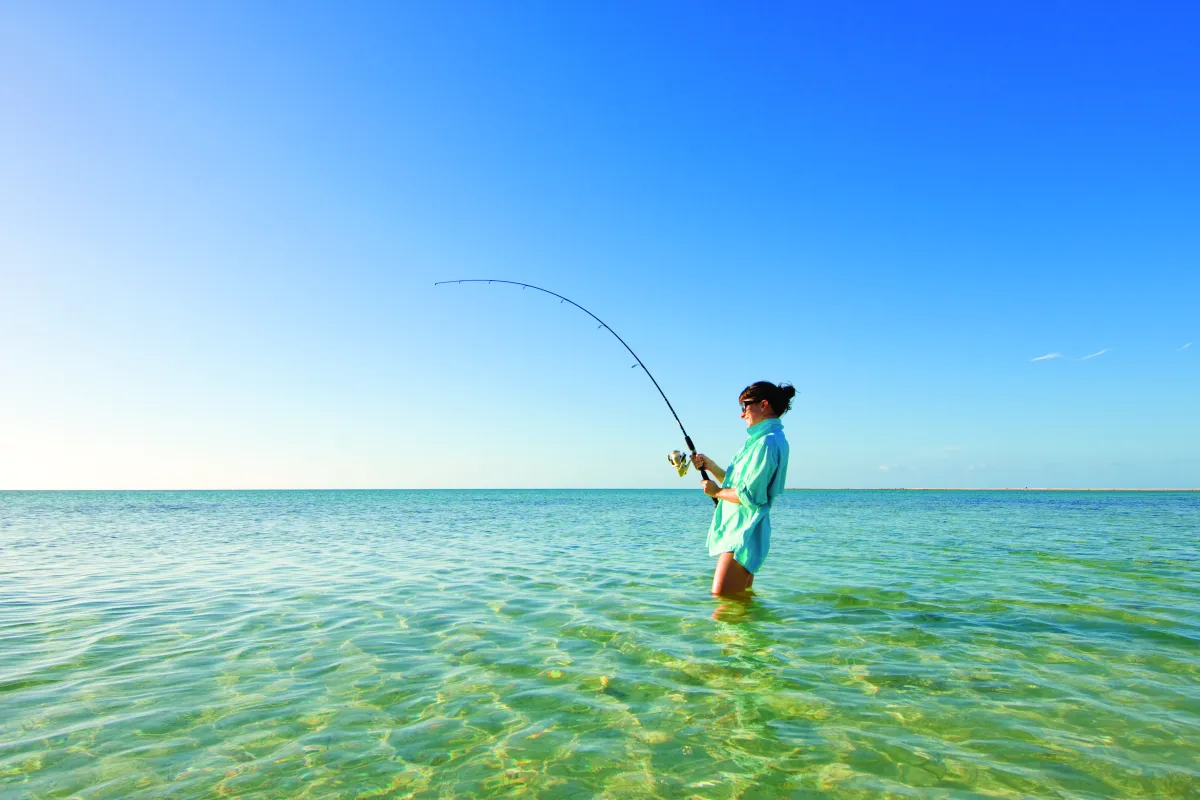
{"x":884,"y":467}
{"x":1048,"y":355}
{"x":1185,"y":347}
{"x":1093,"y":355}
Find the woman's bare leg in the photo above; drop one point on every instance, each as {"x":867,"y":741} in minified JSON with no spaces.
{"x":730,"y":577}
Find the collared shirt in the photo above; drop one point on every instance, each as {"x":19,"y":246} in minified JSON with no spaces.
{"x":757,"y":474}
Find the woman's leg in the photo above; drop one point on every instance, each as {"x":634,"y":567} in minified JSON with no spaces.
{"x":730,"y":577}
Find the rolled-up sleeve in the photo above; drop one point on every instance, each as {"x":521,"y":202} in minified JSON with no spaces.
{"x":752,"y":484}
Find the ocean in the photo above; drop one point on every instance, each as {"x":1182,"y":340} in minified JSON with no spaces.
{"x":563,"y":644}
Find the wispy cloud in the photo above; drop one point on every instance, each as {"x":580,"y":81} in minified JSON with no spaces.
{"x":884,"y":467}
{"x":1093,"y":355}
{"x":1048,"y":355}
{"x":1185,"y":347}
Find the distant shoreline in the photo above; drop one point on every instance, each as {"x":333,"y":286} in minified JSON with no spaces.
{"x":971,"y":489}
{"x":626,"y":489}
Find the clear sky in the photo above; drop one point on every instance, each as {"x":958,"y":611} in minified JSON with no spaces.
{"x":220,"y":224}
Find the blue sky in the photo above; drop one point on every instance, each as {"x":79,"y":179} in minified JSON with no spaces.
{"x":220,"y":225}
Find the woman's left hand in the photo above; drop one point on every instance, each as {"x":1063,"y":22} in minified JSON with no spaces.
{"x":710,"y":488}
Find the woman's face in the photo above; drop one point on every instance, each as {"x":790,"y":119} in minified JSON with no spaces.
{"x":755,"y":411}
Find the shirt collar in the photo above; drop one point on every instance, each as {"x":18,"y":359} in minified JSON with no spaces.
{"x":763,"y":428}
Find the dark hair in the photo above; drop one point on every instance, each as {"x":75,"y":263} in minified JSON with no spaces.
{"x":779,"y":398}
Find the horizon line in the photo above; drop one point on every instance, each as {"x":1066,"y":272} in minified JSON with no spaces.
{"x":659,"y":489}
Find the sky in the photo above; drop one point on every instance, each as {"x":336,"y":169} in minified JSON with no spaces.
{"x":967,"y":234}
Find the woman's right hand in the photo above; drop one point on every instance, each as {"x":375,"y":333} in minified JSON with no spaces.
{"x":701,"y":461}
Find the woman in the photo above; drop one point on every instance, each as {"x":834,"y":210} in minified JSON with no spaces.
{"x":740,"y":534}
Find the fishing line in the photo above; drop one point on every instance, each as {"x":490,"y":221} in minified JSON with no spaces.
{"x":691,"y":447}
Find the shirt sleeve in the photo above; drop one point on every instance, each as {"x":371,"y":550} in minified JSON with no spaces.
{"x":751,"y":488}
{"x":727,"y":481}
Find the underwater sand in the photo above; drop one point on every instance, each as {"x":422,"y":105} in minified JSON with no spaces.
{"x":563,"y":644}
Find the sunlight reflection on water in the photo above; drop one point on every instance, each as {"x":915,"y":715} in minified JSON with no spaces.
{"x":562,"y":643}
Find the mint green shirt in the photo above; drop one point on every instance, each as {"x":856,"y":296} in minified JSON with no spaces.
{"x":757,"y":475}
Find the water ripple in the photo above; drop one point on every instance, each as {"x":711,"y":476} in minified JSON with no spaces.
{"x":562,"y":644}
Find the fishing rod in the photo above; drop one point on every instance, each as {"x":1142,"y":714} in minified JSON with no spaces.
{"x":691,"y":447}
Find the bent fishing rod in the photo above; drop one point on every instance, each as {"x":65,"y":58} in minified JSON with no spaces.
{"x":691,"y":447}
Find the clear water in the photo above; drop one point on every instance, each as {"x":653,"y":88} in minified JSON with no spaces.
{"x":563,"y":644}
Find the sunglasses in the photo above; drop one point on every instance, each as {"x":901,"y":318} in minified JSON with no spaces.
{"x":747,"y":403}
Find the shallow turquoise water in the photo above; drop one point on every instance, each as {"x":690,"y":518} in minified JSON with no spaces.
{"x":563,"y":644}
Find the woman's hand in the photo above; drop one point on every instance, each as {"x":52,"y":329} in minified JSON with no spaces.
{"x":701,"y":461}
{"x":710,"y":488}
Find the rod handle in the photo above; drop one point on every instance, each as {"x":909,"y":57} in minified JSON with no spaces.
{"x":703,"y":473}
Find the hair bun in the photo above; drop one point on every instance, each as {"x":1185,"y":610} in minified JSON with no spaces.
{"x":779,"y":397}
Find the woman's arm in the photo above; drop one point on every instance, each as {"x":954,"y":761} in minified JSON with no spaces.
{"x":701,"y":461}
{"x":713,"y":489}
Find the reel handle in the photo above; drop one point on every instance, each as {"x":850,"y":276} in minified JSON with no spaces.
{"x":703,"y":473}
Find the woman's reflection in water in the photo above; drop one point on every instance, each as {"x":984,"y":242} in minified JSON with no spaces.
{"x":735,"y":608}
{"x":746,"y":634}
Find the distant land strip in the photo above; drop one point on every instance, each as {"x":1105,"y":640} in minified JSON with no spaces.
{"x":981,"y":489}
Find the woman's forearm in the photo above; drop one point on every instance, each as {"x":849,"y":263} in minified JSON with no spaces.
{"x":729,"y":496}
{"x":717,"y":472}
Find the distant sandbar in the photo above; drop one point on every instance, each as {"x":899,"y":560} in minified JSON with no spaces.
{"x":980,"y":489}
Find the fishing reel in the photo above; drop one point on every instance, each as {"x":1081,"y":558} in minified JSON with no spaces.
{"x":679,"y":461}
